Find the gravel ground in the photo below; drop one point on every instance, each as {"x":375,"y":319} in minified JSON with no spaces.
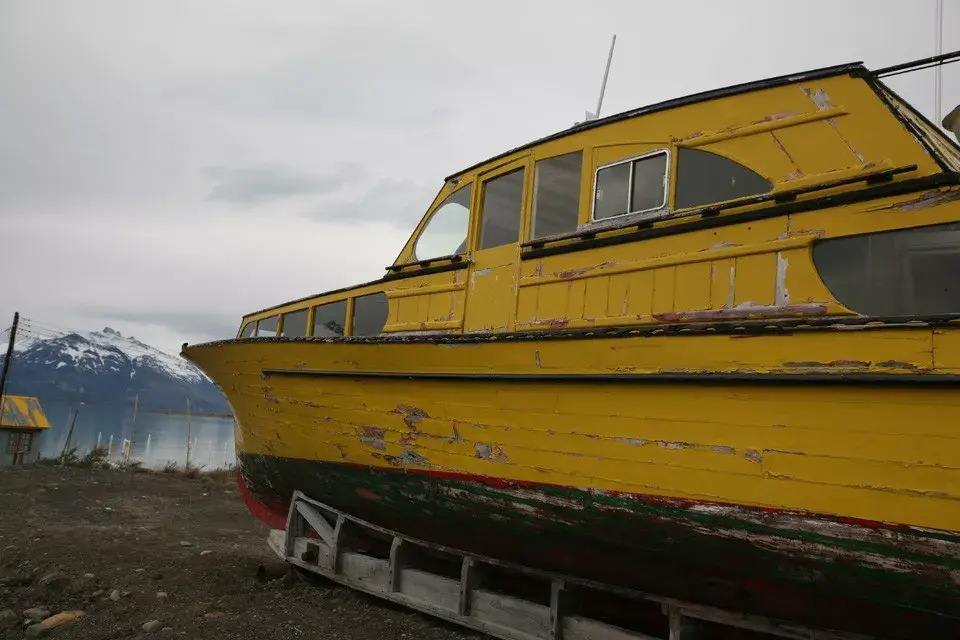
{"x":177,"y":554}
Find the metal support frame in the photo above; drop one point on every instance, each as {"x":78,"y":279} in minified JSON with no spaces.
{"x":326,"y":541}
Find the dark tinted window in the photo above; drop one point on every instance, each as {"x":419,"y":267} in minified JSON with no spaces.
{"x":267,"y":327}
{"x":295,"y":324}
{"x":248,"y":329}
{"x":329,"y":319}
{"x":705,"y":178}
{"x":556,"y":202}
{"x":369,"y":314}
{"x":502,"y":202}
{"x":446,"y":231}
{"x":631,"y":187}
{"x":895,"y":273}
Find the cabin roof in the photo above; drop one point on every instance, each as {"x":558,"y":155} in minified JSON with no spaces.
{"x":712,"y":94}
{"x":22,"y":412}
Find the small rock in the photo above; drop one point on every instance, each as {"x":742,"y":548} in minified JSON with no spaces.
{"x":89,"y":576}
{"x":60,"y":619}
{"x":115,"y":595}
{"x":124,"y":593}
{"x":53,"y":578}
{"x":151,"y":626}
{"x":97,"y":594}
{"x":206,"y":552}
{"x":213,"y":614}
{"x":107,"y":509}
{"x":166,"y":630}
{"x":161,"y":594}
{"x":8,"y":619}
{"x":184,"y":543}
{"x":36,"y":614}
{"x":139,"y":570}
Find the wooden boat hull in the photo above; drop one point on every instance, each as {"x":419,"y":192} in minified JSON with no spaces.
{"x":824,"y":493}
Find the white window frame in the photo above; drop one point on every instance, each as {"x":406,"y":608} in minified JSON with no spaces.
{"x":643,"y":214}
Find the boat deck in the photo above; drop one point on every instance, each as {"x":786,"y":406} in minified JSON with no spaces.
{"x":503,"y":600}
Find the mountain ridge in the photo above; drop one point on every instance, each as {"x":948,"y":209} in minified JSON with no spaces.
{"x":104,"y":365}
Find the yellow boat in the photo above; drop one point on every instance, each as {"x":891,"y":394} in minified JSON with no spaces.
{"x":708,"y":348}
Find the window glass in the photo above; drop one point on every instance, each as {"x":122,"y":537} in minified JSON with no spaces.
{"x":649,"y":183}
{"x":613,"y":184}
{"x":248,"y":329}
{"x":267,"y":327}
{"x":706,"y":178}
{"x":446,"y":230}
{"x":330,"y":319}
{"x":895,"y":273}
{"x":295,"y":324}
{"x":369,"y":314}
{"x":502,"y":202}
{"x":556,"y":202}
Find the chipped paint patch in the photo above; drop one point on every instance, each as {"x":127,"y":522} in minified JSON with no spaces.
{"x":753,"y":456}
{"x":819,"y":97}
{"x":782,"y":294}
{"x":929,"y":199}
{"x":374,"y":437}
{"x":411,"y":415}
{"x":744,"y":311}
{"x":487,"y":451}
{"x":633,"y":442}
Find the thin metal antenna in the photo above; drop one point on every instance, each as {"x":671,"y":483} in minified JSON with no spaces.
{"x":603,"y":84}
{"x":938,"y":79}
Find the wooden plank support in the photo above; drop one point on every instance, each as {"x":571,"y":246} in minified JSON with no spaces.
{"x":316,"y":520}
{"x":465,"y":602}
{"x":556,"y":613}
{"x":339,"y":542}
{"x":468,"y":580}
{"x":396,"y":563}
{"x":684,"y":628}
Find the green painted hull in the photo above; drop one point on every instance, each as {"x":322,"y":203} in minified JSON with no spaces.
{"x":863,"y":577}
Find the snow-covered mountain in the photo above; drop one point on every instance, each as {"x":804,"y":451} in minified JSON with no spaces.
{"x":105,"y":366}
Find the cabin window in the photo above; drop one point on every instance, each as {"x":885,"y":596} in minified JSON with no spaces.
{"x":556,"y":203}
{"x":637,"y":185}
{"x":502,"y":204}
{"x":707,"y":178}
{"x":446,"y":230}
{"x":267,"y":327}
{"x":369,"y":314}
{"x":330,"y":319}
{"x":294,"y":324}
{"x":910,"y":272}
{"x":247,"y":331}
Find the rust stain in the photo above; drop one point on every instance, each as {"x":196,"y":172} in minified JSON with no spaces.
{"x":743,"y":312}
{"x":859,"y":364}
{"x":363,"y":492}
{"x":487,"y":451}
{"x":896,"y":364}
{"x":783,"y":149}
{"x":556,"y":323}
{"x":929,"y":199}
{"x":572,"y":273}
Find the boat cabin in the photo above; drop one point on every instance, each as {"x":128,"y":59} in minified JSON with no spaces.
{"x":783,"y":198}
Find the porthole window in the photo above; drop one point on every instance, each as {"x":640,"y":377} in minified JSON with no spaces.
{"x":446,"y":231}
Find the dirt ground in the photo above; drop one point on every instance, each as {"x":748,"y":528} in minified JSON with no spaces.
{"x":131,"y":548}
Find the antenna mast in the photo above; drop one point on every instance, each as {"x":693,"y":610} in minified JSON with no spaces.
{"x":938,"y":80}
{"x":603,"y":84}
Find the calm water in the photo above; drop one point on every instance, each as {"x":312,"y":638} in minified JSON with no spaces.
{"x":158,"y":439}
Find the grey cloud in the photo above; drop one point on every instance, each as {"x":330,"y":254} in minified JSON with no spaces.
{"x":186,"y":323}
{"x":262,"y":183}
{"x":400,"y":203}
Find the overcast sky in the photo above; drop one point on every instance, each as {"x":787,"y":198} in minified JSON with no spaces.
{"x":167,"y":166}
